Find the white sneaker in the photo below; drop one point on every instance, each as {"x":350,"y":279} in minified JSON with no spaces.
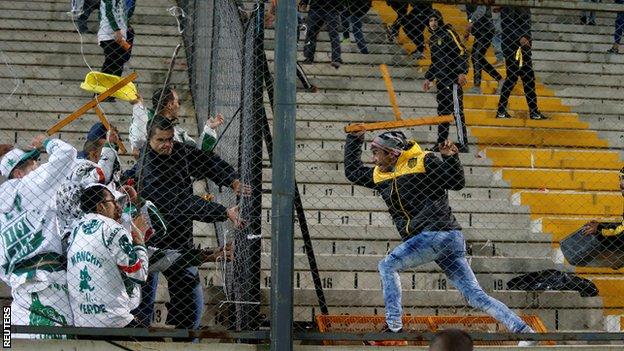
{"x":527,"y":343}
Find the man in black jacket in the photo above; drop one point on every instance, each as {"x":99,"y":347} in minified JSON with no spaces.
{"x":516,"y":36}
{"x":322,"y":12}
{"x":480,"y":25}
{"x":414,"y":184}
{"x":449,"y":66}
{"x":169,"y":170}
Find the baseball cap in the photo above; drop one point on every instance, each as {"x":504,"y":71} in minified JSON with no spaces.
{"x":97,"y":131}
{"x":14,"y":158}
{"x":116,"y":194}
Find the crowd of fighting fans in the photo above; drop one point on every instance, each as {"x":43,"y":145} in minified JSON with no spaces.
{"x":109,"y":232}
{"x":84,"y":241}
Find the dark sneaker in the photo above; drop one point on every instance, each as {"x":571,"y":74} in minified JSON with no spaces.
{"x":463,"y":149}
{"x":613,"y":51}
{"x":503,"y":115}
{"x":312,"y":89}
{"x":538,"y":116}
{"x":335,"y":64}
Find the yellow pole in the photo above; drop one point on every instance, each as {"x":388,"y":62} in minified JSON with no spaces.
{"x":393,"y":101}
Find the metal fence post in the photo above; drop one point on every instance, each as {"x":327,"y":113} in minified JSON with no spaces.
{"x":283,"y":180}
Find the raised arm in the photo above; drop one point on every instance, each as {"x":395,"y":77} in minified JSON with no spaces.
{"x":131,"y":258}
{"x":447,"y":172}
{"x":209,"y":164}
{"x":138,"y":126}
{"x":355,"y":171}
{"x":41,"y":185}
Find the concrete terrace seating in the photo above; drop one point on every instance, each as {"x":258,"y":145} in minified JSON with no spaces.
{"x":44,"y":51}
{"x":350,"y":227}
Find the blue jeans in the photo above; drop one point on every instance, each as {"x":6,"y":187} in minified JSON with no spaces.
{"x":186,"y":299}
{"x":448,"y":250}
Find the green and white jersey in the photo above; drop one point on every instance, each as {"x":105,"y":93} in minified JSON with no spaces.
{"x":112,"y":18}
{"x":104,"y":272}
{"x":30,"y":240}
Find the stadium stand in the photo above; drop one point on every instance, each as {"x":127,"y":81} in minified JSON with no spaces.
{"x":511,"y":221}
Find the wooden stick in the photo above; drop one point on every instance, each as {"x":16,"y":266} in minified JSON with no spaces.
{"x":104,"y":120}
{"x":91,"y":104}
{"x":393,"y":100}
{"x":359,"y":127}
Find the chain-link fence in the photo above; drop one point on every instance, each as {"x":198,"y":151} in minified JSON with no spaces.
{"x":456,"y":165}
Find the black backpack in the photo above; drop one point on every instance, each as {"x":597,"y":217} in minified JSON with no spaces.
{"x":552,"y":279}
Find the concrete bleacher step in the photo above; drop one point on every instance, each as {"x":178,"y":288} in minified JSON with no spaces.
{"x":570,"y":202}
{"x":70,"y":49}
{"x":27,"y":73}
{"x":563,"y":179}
{"x":562,"y":225}
{"x":466,"y":219}
{"x":375,"y":203}
{"x":340,"y":191}
{"x":473,"y":232}
{"x":94,"y":60}
{"x":67,"y":26}
{"x":553,"y":158}
{"x":421,"y":99}
{"x":538,"y":137}
{"x":480,"y":248}
{"x":306,"y":175}
{"x":17,"y":38}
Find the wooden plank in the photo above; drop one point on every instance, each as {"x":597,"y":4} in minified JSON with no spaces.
{"x":358,"y":127}
{"x":106,"y":123}
{"x":91,"y":104}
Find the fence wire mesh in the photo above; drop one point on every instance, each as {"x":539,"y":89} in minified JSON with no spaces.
{"x":457,"y":165}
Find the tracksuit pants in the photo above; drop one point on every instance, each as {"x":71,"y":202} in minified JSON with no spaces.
{"x":450,"y":100}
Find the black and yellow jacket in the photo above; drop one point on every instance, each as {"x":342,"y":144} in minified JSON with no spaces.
{"x":449,"y":58}
{"x":415,"y":192}
{"x":611,"y":229}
